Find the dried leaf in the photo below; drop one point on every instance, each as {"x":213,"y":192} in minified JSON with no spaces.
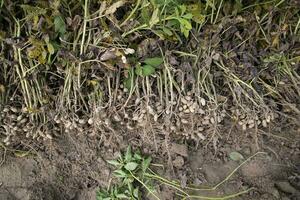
{"x":108,"y":55}
{"x":102,"y":7}
{"x":236,"y":156}
{"x":113,"y":8}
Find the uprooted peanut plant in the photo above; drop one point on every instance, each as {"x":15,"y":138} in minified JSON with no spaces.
{"x":187,"y":67}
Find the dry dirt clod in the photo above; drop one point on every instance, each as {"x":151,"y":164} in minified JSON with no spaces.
{"x":287,"y":188}
{"x":178,"y":162}
{"x":179,"y":149}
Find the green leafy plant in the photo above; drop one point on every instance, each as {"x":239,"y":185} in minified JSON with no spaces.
{"x":164,"y":18}
{"x":131,"y":169}
{"x":135,"y":174}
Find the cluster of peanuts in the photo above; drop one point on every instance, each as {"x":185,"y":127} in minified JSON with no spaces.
{"x":16,"y":122}
{"x":81,"y":125}
{"x":250,"y":121}
{"x":121,"y":93}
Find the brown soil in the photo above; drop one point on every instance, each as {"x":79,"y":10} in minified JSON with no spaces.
{"x":73,"y":167}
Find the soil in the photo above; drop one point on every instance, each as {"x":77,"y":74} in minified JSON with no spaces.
{"x":73,"y":167}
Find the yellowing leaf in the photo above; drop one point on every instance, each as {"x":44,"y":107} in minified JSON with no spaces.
{"x":50,"y":48}
{"x":275,"y":42}
{"x":200,"y":19}
{"x":93,"y":82}
{"x":33,"y":52}
{"x":155,"y":18}
{"x":22,"y":154}
{"x":197,"y":10}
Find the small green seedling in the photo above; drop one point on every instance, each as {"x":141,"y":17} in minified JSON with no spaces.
{"x":131,"y":169}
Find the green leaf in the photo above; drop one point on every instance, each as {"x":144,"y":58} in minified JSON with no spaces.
{"x":127,"y":83}
{"x":188,"y":16}
{"x":59,"y":25}
{"x":186,"y":23}
{"x":124,"y":196}
{"x":136,"y":192}
{"x":148,"y":70}
{"x":236,"y":156}
{"x":137,"y":156}
{"x":128,"y":155}
{"x":120,"y":173}
{"x":130,"y":187}
{"x":154,"y":62}
{"x":186,"y":33}
{"x":128,"y":180}
{"x":114,"y":163}
{"x":167,"y":31}
{"x":138,"y":70}
{"x":131,"y":166}
{"x":145,"y":164}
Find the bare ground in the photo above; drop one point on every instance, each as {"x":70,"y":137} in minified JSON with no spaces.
{"x":73,"y":167}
